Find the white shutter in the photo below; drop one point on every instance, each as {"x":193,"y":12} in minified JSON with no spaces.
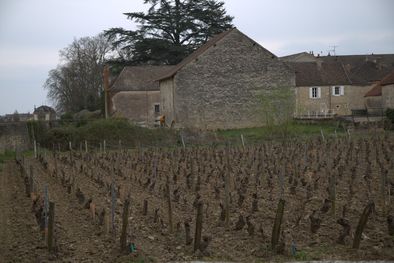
{"x":342,"y":90}
{"x":333,"y":90}
{"x":310,"y":93}
{"x":318,"y":92}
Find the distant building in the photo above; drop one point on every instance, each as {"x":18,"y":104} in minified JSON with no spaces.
{"x":16,"y":117}
{"x":337,"y":85}
{"x":44,"y":113}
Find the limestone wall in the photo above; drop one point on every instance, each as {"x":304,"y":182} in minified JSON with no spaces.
{"x":14,"y":135}
{"x":137,"y":106}
{"x":224,"y":87}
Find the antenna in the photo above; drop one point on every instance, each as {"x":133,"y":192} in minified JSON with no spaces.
{"x":333,"y":49}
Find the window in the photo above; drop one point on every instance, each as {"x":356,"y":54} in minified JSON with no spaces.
{"x":157,"y":108}
{"x":314,"y":92}
{"x":338,"y":91}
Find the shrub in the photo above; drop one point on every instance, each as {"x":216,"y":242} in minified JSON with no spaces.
{"x":390,"y":115}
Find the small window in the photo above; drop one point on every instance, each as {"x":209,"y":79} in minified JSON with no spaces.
{"x":337,"y":91}
{"x":157,"y":108}
{"x":314,"y":92}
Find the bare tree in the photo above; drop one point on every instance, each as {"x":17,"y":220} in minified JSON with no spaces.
{"x":76,"y":83}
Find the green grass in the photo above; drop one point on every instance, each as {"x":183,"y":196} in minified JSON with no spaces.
{"x":291,"y":130}
{"x":7,"y":155}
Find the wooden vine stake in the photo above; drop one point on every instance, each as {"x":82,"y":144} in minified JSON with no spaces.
{"x":51,"y":223}
{"x":169,"y":204}
{"x":243,"y":141}
{"x":332,"y":192}
{"x":361,"y":224}
{"x":277,"y":224}
{"x":197,"y":234}
{"x":125,"y":220}
{"x":31,"y":182}
{"x":145,"y":207}
{"x":227,"y":190}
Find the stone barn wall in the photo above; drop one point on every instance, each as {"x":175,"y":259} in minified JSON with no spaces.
{"x":388,"y":96}
{"x":225,"y":86}
{"x":138,"y":106}
{"x":14,"y":135}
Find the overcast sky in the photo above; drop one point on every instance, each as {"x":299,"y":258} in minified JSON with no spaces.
{"x":33,"y":31}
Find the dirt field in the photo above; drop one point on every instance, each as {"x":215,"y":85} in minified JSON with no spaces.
{"x":319,"y":220}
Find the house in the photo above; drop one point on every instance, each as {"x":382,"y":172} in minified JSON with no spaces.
{"x":229,"y":82}
{"x":16,"y":117}
{"x":135,"y":94}
{"x":44,"y":113}
{"x":336,"y":85}
{"x":381,"y":96}
{"x":321,"y":89}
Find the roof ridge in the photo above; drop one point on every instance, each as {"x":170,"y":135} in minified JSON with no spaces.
{"x":195,"y":54}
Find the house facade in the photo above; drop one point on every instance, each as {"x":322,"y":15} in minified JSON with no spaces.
{"x":330,"y":86}
{"x":135,"y":94}
{"x":230,"y":82}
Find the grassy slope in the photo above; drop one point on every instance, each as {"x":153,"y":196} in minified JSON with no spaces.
{"x":253,"y":135}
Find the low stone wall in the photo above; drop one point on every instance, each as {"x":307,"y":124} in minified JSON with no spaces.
{"x":14,"y":135}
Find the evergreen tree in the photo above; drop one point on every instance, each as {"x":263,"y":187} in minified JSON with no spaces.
{"x":169,"y":31}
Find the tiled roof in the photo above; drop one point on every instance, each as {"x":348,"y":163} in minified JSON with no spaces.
{"x":377,"y":89}
{"x":320,"y":74}
{"x":364,"y":69}
{"x":139,"y":78}
{"x":388,"y":80}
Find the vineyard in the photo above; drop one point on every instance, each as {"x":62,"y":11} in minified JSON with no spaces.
{"x":317,"y":199}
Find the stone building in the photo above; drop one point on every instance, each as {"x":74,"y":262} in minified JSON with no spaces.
{"x":135,"y":94}
{"x":336,"y":85}
{"x":230,"y":82}
{"x":381,"y":96}
{"x":44,"y":113}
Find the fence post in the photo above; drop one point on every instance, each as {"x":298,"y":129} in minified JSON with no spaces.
{"x":104,"y":146}
{"x":51,"y":223}
{"x":243,"y":142}
{"x":86,"y":146}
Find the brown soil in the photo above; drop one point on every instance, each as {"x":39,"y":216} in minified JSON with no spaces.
{"x":309,"y":222}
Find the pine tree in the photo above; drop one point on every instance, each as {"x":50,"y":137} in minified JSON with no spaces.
{"x":169,"y":31}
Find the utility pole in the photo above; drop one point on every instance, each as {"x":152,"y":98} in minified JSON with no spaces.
{"x":106,"y":87}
